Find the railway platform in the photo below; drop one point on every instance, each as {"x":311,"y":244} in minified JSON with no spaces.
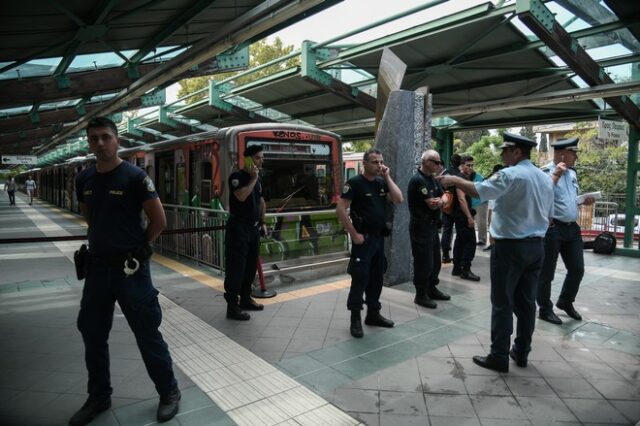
{"x":295,"y":363}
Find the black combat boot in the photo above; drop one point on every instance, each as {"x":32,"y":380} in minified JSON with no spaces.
{"x":234,"y":312}
{"x":445,"y":257}
{"x":424,"y":300}
{"x":356,"y":324}
{"x":374,"y":318}
{"x":468,"y":275}
{"x":248,"y":304}
{"x":89,"y":411}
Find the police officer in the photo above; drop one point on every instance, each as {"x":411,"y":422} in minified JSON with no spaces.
{"x":523,"y":197}
{"x":242,"y":239}
{"x":112,"y":195}
{"x":563,"y":236}
{"x":424,"y":195}
{"x":366,"y":195}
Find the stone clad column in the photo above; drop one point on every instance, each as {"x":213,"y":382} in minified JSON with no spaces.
{"x":401,"y":139}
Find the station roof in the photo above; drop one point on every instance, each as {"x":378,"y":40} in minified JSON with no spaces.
{"x":478,"y":56}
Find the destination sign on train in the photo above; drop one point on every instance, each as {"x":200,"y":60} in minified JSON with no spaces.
{"x":19,"y":159}
{"x":295,"y":148}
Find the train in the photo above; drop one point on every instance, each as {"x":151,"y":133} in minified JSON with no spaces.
{"x":302,"y":177}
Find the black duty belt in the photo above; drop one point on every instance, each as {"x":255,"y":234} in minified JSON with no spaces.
{"x":426,"y":220}
{"x":556,"y":222}
{"x":525,"y":239}
{"x":116,"y":261}
{"x":245,"y":221}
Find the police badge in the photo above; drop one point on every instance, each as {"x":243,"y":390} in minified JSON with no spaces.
{"x":149,"y":184}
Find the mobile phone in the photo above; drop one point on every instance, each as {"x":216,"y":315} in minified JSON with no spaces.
{"x":248,"y":163}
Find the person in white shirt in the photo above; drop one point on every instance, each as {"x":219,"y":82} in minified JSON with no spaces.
{"x":30,"y":184}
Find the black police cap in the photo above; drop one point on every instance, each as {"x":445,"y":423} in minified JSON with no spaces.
{"x":571,"y":143}
{"x":511,"y":139}
{"x":252,"y":150}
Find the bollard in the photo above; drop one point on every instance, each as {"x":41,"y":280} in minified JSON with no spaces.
{"x":262,"y":293}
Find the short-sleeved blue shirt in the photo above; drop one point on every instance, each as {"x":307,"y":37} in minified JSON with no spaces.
{"x":114,"y":204}
{"x":565,"y":194}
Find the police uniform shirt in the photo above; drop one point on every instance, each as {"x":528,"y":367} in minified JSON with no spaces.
{"x":421,"y":188}
{"x":368,"y":201}
{"x":114,"y":203}
{"x":565,"y":194}
{"x":249,"y":209}
{"x":523,"y":197}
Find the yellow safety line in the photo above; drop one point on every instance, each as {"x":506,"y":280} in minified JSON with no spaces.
{"x":218,"y":284}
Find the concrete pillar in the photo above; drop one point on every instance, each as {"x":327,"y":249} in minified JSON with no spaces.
{"x":401,"y":139}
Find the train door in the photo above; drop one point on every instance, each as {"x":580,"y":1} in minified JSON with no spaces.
{"x":165,"y":177}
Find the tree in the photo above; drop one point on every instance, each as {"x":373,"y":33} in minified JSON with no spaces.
{"x":544,"y":143}
{"x":468,"y":138}
{"x":360,"y":145}
{"x":486,"y":154}
{"x":527,"y":132}
{"x":260,"y":53}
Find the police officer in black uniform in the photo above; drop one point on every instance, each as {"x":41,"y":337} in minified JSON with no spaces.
{"x":366,"y":196}
{"x":242,"y":240}
{"x":424,"y":194}
{"x":112,"y":195}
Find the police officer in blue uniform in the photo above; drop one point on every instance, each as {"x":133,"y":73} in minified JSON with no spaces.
{"x":424,"y":196}
{"x":112,"y":195}
{"x":242,"y":239}
{"x":523,"y":197}
{"x":366,"y":196}
{"x":563,"y":236}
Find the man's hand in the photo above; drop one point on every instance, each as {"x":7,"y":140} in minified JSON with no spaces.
{"x":254,"y":172}
{"x":384,"y":171}
{"x":434,"y":203}
{"x":588,"y":201}
{"x":560,"y":169}
{"x":357,"y":239}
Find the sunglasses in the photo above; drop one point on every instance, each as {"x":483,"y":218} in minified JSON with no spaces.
{"x":440,"y":163}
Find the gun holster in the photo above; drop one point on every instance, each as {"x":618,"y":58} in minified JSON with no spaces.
{"x":81,"y":260}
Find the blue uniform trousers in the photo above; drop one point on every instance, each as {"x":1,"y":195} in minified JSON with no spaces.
{"x":242,"y":245}
{"x":138,"y":300}
{"x":366,"y":267}
{"x":464,"y":247}
{"x":515,"y":269}
{"x":425,"y":248}
{"x":565,"y":240}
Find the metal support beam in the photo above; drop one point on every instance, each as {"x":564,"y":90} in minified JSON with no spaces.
{"x":535,"y":15}
{"x":542,"y":99}
{"x":631,"y":209}
{"x":311,"y":73}
{"x":266,"y":15}
{"x":216,"y":101}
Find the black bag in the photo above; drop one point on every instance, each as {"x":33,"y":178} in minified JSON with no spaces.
{"x":605,"y":243}
{"x":81,"y":260}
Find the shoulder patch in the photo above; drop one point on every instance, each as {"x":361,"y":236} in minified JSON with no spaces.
{"x":494,"y":177}
{"x":235,"y":183}
{"x":424,"y":190}
{"x":148,"y":183}
{"x":346,"y":188}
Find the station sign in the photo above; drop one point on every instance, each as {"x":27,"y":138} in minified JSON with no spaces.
{"x":20,"y":159}
{"x":612,"y":130}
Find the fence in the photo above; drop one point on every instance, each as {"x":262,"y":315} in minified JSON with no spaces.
{"x":292,"y":236}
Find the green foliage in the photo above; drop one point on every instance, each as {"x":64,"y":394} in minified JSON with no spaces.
{"x":359,"y":146}
{"x":527,"y":132}
{"x":484,"y":156}
{"x":260,"y":53}
{"x":603,"y":170}
{"x":544,"y":143}
{"x":463,"y":140}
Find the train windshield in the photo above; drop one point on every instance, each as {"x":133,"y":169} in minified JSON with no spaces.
{"x":296,"y":175}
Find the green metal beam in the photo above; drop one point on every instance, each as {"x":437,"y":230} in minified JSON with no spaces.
{"x":631,"y":209}
{"x":170,"y":27}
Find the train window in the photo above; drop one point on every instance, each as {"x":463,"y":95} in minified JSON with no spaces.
{"x":297,"y":175}
{"x":350,"y":172}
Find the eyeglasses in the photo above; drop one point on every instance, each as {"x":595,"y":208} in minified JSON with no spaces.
{"x":440,"y":163}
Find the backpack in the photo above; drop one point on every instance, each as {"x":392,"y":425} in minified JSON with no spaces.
{"x":605,"y":243}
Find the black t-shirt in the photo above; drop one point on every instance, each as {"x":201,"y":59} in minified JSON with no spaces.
{"x":421,"y":188}
{"x":368,"y":202}
{"x":114,"y":204}
{"x":249,"y":209}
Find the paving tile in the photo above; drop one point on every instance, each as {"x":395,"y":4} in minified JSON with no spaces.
{"x":617,"y":389}
{"x":370,"y":419}
{"x":594,"y":410}
{"x":487,"y":385}
{"x":140,"y":413}
{"x":630,"y":409}
{"x":497,"y":407}
{"x":541,"y":410}
{"x":528,"y":386}
{"x":396,"y":419}
{"x":555,"y":369}
{"x":213,"y":416}
{"x":573,"y":388}
{"x":299,"y":365}
{"x":453,"y":420}
{"x":596,"y":370}
{"x":403,"y":403}
{"x":440,"y":383}
{"x":324,"y":380}
{"x":449,"y":405}
{"x":355,"y":400}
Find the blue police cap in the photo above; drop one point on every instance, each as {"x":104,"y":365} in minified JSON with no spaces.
{"x":571,"y":143}
{"x":511,"y":139}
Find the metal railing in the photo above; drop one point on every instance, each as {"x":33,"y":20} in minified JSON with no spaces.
{"x":604,"y":216}
{"x":296,"y":237}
